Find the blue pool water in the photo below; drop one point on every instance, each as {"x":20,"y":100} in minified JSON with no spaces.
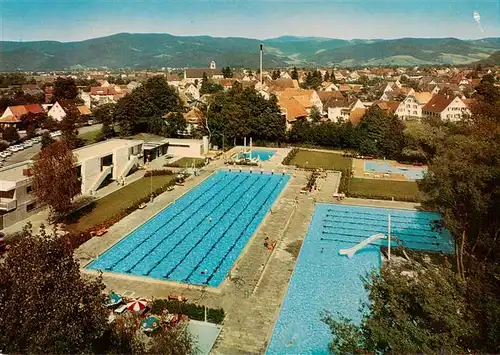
{"x":412,"y":173}
{"x":197,"y":239}
{"x":257,"y":153}
{"x":328,"y":281}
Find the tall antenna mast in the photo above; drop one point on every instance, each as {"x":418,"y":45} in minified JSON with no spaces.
{"x":261,"y":52}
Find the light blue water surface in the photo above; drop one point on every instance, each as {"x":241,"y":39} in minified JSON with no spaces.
{"x":324,"y":280}
{"x":257,"y":153}
{"x":412,"y":173}
{"x":197,"y":239}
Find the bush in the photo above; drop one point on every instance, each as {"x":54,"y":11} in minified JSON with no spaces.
{"x":290,"y":156}
{"x":312,"y":180}
{"x":158,"y":172}
{"x":193,"y":311}
{"x":383,"y":197}
{"x":345,"y":179}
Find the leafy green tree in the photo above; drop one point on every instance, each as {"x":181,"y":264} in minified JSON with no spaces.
{"x":10,"y":134}
{"x":276,"y":74}
{"x":250,"y":72}
{"x":209,"y":87}
{"x":46,"y":305}
{"x":65,"y":89}
{"x":47,"y":140}
{"x":313,"y":80}
{"x":314,"y":114}
{"x":151,"y":100}
{"x":175,"y":124}
{"x":295,"y":74}
{"x":227,"y":72}
{"x":414,"y":307}
{"x":327,"y":76}
{"x":69,"y":129}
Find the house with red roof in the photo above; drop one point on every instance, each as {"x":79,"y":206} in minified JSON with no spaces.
{"x":13,"y":114}
{"x":446,"y":107}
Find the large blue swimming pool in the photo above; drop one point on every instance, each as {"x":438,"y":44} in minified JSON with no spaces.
{"x":197,"y":239}
{"x":412,"y":172}
{"x":257,"y":153}
{"x":324,"y":280}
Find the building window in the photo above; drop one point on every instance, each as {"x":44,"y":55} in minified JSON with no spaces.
{"x":29,"y":189}
{"x":31,"y":207}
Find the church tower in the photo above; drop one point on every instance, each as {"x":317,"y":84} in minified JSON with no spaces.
{"x":212,"y":65}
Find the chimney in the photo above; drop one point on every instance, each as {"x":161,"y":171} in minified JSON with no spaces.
{"x":261,"y":52}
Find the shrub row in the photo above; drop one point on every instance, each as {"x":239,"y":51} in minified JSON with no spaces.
{"x":193,"y":311}
{"x":384,"y":197}
{"x":345,"y":181}
{"x":198,"y":163}
{"x":242,"y":162}
{"x":312,"y":180}
{"x":290,"y":156}
{"x":159,"y":172}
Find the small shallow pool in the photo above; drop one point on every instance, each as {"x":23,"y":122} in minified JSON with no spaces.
{"x":411,"y":172}
{"x":257,"y":153}
{"x":324,"y":280}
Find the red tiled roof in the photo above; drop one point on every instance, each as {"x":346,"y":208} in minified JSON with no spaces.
{"x":356,"y":115}
{"x":438,"y":103}
{"x":292,"y":108}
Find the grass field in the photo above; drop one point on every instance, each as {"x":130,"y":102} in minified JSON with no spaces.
{"x":112,"y":204}
{"x":183,"y":162}
{"x":384,"y":189}
{"x":324,"y":160}
{"x":91,"y":136}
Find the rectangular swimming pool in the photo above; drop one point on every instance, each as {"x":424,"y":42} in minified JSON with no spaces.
{"x":324,"y":280}
{"x":412,"y":172}
{"x":257,"y":153}
{"x":197,"y":239}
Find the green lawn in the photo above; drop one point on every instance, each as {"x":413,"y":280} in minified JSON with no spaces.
{"x":324,"y":160}
{"x":112,"y":204}
{"x":90,"y":136}
{"x":181,"y":163}
{"x":384,"y":189}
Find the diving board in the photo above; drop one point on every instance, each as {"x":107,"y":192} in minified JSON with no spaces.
{"x":351,"y":251}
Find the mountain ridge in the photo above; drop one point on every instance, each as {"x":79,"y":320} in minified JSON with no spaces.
{"x":156,"y":50}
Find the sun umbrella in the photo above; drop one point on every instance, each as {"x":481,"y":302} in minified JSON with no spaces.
{"x":113,"y":299}
{"x":150,"y":323}
{"x":137,"y":305}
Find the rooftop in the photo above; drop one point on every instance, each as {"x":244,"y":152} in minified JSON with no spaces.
{"x":103,"y":148}
{"x":14,"y":172}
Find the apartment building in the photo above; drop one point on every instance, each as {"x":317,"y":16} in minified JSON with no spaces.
{"x":112,"y":159}
{"x":17,"y":201}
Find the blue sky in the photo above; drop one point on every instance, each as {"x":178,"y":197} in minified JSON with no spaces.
{"x":69,"y":20}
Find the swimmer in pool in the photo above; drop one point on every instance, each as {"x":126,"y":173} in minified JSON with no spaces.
{"x":210,"y":219}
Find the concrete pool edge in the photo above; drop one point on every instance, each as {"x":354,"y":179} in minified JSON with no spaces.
{"x":217,"y":289}
{"x":147,"y":220}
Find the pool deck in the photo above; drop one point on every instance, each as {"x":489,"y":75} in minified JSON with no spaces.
{"x":253,"y":292}
{"x":358,"y":170}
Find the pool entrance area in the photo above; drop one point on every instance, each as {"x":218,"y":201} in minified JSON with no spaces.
{"x":324,"y":280}
{"x":259,"y":154}
{"x":197,"y":239}
{"x":410,"y":172}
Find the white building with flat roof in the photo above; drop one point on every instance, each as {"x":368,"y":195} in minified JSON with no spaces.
{"x":17,"y":201}
{"x":112,"y":159}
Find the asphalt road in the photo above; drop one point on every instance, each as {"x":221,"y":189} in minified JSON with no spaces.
{"x":30,"y":152}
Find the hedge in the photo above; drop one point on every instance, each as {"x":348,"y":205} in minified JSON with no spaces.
{"x":159,"y":172}
{"x":193,"y":311}
{"x":290,"y":156}
{"x":384,"y":197}
{"x":345,"y":179}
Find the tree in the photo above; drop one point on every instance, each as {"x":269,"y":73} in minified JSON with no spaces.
{"x":104,"y":114}
{"x":295,"y":74}
{"x":69,"y":129}
{"x":250,"y":73}
{"x":414,"y":307}
{"x":209,"y":87}
{"x":327,"y":76}
{"x":174,"y":341}
{"x":150,"y":101}
{"x":227,"y":72}
{"x":175,"y":124}
{"x":55,"y":180}
{"x":65,"y":89}
{"x":46,"y":306}
{"x":47,"y":140}
{"x":313,"y":80}
{"x":276,"y":74}
{"x":314,"y":114}
{"x":10,"y":134}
